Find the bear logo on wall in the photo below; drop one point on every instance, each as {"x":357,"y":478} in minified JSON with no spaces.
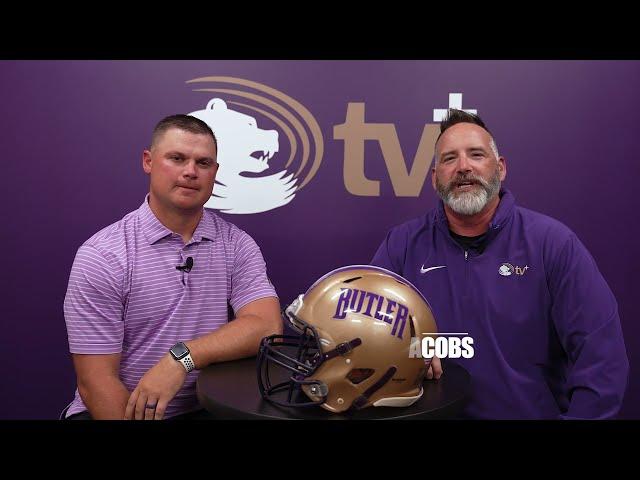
{"x":243,"y":147}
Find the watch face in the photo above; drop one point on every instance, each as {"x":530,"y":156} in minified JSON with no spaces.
{"x":179,"y":350}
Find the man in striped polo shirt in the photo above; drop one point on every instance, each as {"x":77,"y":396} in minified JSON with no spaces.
{"x":147,"y":301}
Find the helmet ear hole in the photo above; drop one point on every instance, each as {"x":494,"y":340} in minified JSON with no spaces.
{"x":359,"y":375}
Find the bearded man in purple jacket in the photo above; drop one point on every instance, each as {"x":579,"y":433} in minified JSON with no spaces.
{"x":546,"y":332}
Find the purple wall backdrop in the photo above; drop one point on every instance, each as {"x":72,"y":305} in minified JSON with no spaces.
{"x":73,"y":133}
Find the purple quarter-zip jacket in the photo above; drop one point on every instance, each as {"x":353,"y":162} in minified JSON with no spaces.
{"x":547,"y":336}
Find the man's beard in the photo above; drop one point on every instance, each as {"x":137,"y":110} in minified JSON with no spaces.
{"x":471,"y":202}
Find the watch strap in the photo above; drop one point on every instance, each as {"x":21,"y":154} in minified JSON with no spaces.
{"x":187,"y":362}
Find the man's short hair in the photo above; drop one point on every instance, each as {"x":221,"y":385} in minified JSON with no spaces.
{"x":187,"y":123}
{"x":455,"y":116}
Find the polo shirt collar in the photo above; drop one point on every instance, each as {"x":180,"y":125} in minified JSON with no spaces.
{"x":154,"y":230}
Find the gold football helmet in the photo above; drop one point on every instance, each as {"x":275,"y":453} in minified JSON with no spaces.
{"x":359,"y":330}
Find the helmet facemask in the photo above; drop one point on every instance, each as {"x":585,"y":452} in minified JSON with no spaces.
{"x":301,"y":356}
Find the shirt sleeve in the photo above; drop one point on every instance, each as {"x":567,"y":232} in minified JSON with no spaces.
{"x":391,"y":252}
{"x":585,"y":314}
{"x":249,"y":279}
{"x":93,"y":305}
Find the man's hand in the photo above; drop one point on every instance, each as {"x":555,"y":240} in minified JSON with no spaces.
{"x":435,"y":368}
{"x":155,"y":390}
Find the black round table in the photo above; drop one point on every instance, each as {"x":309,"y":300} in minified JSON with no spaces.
{"x":229,"y":390}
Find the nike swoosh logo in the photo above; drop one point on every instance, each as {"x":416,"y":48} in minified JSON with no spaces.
{"x":425,"y":270}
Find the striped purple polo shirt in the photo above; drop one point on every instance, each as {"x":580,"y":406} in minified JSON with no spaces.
{"x":126,"y":296}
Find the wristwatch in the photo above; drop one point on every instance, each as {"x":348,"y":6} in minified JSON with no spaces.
{"x":182,"y":354}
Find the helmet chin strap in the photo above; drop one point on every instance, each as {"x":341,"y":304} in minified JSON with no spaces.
{"x":363,"y":399}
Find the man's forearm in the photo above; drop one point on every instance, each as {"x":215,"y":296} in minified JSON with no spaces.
{"x":237,"y":339}
{"x":106,"y":399}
